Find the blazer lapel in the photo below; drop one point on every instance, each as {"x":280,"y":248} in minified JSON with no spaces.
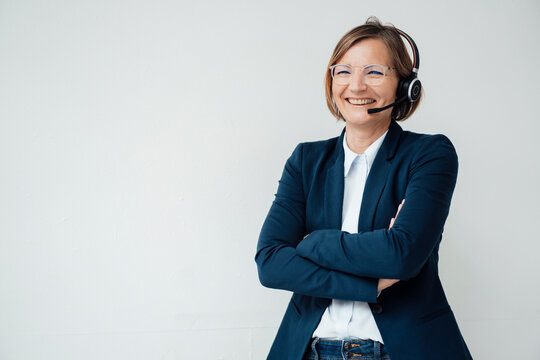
{"x":334,"y":185}
{"x":377,"y":177}
{"x":375,"y":183}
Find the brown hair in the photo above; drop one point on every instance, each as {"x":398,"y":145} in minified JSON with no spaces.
{"x":400,"y":58}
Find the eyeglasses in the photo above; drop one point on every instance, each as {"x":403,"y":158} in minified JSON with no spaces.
{"x":372,"y":74}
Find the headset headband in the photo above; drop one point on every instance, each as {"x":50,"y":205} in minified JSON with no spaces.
{"x":416,"y":55}
{"x":409,"y":88}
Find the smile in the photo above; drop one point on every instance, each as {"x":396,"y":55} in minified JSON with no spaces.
{"x":359,"y":101}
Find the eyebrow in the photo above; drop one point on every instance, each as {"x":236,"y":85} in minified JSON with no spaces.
{"x":363,"y":65}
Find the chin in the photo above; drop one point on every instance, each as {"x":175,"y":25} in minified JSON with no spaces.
{"x":364,"y":119}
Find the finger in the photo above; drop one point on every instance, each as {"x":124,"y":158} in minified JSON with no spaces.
{"x":386,"y":283}
{"x":399,"y":207}
{"x":391,"y":222}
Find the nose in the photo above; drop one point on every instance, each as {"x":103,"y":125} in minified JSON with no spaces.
{"x":357,"y":81}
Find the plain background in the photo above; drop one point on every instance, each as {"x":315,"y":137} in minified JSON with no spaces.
{"x":141,"y":143}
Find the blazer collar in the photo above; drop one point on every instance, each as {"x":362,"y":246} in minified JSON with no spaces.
{"x":369,"y":153}
{"x":375,"y":183}
{"x":389,"y":145}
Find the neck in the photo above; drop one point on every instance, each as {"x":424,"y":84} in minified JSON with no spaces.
{"x":359,"y":138}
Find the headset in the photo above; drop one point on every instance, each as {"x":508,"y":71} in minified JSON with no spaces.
{"x":409,"y":88}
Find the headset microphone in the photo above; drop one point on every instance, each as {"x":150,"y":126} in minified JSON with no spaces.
{"x":409,"y":88}
{"x":376,"y":110}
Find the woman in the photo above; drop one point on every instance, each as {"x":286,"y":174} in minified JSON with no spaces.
{"x":356,"y":223}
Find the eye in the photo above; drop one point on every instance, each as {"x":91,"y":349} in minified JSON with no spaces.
{"x":375,"y":71}
{"x":342,"y":70}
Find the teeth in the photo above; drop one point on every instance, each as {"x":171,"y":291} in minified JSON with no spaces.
{"x":360,"y":101}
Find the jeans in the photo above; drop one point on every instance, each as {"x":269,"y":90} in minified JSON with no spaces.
{"x":321,"y":349}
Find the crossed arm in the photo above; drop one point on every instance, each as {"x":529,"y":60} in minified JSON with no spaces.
{"x":386,"y":283}
{"x":278,"y":263}
{"x":336,"y":264}
{"x":402,"y":250}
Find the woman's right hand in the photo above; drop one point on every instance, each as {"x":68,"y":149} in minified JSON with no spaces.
{"x":392,"y":220}
{"x":386,"y":283}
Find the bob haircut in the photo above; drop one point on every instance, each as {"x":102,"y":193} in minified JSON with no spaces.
{"x":373,"y":29}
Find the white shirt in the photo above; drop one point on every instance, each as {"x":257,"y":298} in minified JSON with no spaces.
{"x":352,"y":319}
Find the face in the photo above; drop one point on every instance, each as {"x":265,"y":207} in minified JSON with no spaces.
{"x":366,"y":52}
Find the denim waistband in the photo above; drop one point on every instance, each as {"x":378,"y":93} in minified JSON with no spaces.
{"x":347,"y":349}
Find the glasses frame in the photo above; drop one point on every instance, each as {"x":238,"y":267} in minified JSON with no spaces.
{"x":385,"y":69}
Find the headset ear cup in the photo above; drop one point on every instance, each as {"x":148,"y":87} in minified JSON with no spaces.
{"x":403,"y":88}
{"x":414,"y":90}
{"x":409,"y":88}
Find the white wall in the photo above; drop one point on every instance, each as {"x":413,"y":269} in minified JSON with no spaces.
{"x":141,"y":143}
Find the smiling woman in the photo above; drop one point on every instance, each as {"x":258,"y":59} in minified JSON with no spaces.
{"x":364,"y":280}
{"x":359,"y":93}
{"x":394,"y":51}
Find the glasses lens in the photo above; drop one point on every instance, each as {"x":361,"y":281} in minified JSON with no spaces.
{"x":373,"y":74}
{"x":342,"y":74}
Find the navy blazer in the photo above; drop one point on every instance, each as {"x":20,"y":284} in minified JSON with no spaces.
{"x":413,"y":316}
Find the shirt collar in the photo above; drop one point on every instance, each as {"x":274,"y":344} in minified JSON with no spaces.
{"x":370,"y":152}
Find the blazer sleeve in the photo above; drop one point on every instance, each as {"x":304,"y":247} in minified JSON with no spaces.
{"x":279,"y":265}
{"x":401,"y":252}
